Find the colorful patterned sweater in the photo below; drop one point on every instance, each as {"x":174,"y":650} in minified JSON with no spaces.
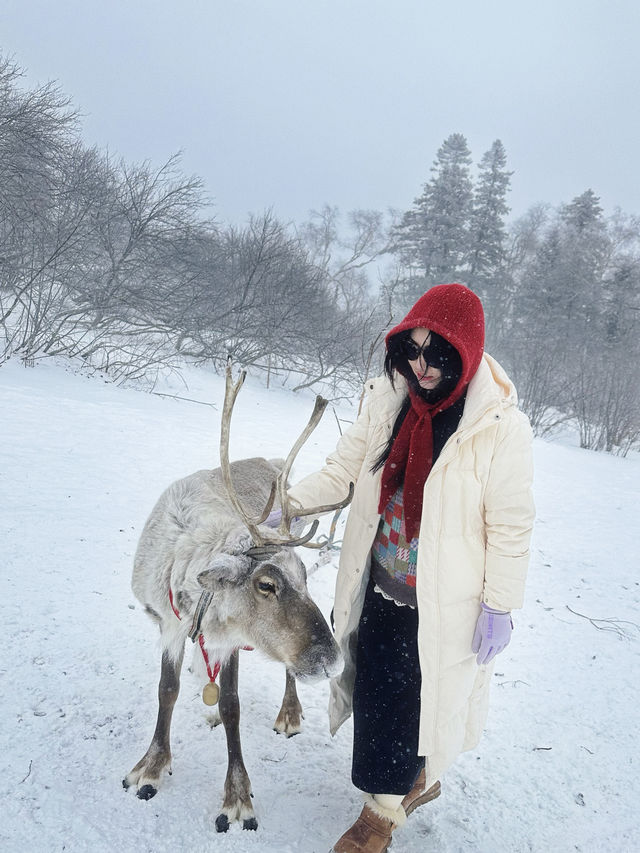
{"x":393,"y":559}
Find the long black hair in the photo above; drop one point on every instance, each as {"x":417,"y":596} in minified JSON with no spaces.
{"x":441,"y":354}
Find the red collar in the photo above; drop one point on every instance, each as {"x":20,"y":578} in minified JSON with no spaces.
{"x":212,"y":672}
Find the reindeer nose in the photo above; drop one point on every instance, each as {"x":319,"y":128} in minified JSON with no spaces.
{"x":321,"y":660}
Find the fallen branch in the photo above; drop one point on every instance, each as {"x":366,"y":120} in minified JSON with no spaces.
{"x":28,"y":774}
{"x":613,"y":624}
{"x":187,"y":399}
{"x":274,"y":760}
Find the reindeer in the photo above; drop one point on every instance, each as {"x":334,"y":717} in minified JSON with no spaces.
{"x":206,"y":567}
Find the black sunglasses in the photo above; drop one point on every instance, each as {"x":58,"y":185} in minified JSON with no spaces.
{"x":412,"y":351}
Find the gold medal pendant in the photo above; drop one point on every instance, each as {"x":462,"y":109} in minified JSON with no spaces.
{"x":210,"y":693}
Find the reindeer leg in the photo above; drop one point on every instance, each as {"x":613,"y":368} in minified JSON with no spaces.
{"x":146,"y":774}
{"x":288,"y":721}
{"x":237,"y":786}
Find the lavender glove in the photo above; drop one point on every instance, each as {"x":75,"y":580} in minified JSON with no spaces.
{"x":297,"y":525}
{"x":492,"y":634}
{"x":274,"y":518}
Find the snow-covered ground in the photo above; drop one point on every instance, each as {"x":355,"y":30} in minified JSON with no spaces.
{"x":81,"y":464}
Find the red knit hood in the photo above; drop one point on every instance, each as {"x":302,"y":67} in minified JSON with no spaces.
{"x":455,"y":312}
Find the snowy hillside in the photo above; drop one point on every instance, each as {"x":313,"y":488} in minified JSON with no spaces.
{"x":82,"y":463}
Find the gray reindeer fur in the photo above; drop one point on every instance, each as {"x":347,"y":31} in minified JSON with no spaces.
{"x":194,"y":541}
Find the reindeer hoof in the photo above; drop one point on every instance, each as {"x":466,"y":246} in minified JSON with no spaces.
{"x":252,"y":823}
{"x":288,"y":729}
{"x":146,"y":792}
{"x":286,"y":732}
{"x":222,"y":823}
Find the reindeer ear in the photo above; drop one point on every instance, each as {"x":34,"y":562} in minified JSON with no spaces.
{"x":224,"y":568}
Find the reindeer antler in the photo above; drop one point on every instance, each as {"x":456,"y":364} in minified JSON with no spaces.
{"x":266,"y":544}
{"x":230,"y":393}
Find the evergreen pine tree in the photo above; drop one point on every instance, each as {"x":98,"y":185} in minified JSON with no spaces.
{"x":583,"y":213}
{"x":433,"y":236}
{"x":487,"y":230}
{"x":486,"y":262}
{"x":585,"y":251}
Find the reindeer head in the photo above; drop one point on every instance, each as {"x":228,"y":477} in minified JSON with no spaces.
{"x":268,"y":600}
{"x":261,"y":564}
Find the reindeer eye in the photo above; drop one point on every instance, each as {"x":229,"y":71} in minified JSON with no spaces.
{"x":267,"y":587}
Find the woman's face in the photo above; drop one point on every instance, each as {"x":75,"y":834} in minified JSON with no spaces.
{"x":427,"y":376}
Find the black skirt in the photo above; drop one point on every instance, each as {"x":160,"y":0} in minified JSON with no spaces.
{"x":386,"y":698}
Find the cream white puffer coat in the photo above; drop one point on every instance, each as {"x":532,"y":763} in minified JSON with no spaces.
{"x":476,"y":524}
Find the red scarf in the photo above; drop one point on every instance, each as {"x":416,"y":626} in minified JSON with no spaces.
{"x":455,"y":312}
{"x":411,"y":458}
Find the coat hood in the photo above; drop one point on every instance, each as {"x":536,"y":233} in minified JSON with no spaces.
{"x":455,"y":312}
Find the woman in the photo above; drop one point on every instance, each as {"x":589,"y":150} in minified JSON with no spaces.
{"x":434,"y":555}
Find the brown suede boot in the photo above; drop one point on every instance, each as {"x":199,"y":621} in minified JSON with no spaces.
{"x":417,"y":795}
{"x":371,"y":833}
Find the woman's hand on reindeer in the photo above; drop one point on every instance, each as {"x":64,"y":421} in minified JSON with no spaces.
{"x":492,"y":634}
{"x":297,"y":524}
{"x":274,"y":518}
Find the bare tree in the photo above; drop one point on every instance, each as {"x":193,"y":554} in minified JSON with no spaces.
{"x":92,"y":252}
{"x":349,"y":261}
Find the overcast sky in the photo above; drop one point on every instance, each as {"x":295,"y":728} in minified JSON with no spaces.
{"x":293,"y":103}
